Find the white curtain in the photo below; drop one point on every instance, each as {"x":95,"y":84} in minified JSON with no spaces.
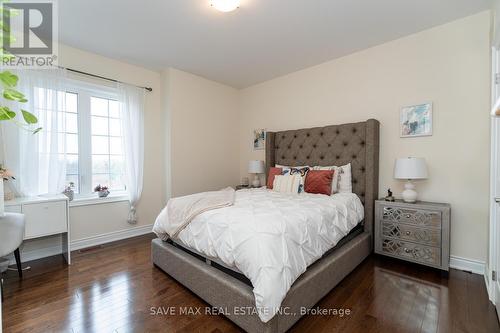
{"x":131,"y":101}
{"x":38,"y":160}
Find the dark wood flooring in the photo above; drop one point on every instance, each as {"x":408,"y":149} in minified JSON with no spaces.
{"x":112,"y":289}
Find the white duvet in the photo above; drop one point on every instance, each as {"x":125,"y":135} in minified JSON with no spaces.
{"x":272,"y":237}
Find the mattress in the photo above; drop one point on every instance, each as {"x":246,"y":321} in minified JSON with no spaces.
{"x":272,"y":237}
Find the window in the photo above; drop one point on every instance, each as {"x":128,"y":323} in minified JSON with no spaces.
{"x":107,"y":151}
{"x":93,"y":142}
{"x":60,"y":123}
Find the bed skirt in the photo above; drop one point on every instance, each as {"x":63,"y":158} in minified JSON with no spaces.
{"x":225,"y":292}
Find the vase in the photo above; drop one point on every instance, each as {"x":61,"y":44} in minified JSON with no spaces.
{"x":2,"y":203}
{"x":103,"y":194}
{"x":70,"y":193}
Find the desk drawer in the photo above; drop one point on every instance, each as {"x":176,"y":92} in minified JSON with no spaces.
{"x":13,"y":209}
{"x":45,"y":219}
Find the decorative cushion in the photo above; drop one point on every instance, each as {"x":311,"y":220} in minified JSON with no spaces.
{"x":345,"y":179}
{"x":301,"y":171}
{"x":272,"y":173}
{"x":287,"y":184}
{"x":319,"y":181}
{"x":335,"y":180}
{"x":342,"y":180}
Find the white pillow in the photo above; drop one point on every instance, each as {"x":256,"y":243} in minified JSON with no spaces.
{"x":287,"y":184}
{"x":342,"y":179}
{"x":345,"y":179}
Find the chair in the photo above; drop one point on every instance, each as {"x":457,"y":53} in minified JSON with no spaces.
{"x":11,"y":238}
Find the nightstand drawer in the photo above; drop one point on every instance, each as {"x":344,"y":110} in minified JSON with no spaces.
{"x":413,"y":252}
{"x":418,"y":217}
{"x":410,"y":233}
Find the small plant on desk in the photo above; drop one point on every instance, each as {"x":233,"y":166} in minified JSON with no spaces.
{"x":5,"y":176}
{"x":102,"y":191}
{"x":5,"y":173}
{"x":69,"y":191}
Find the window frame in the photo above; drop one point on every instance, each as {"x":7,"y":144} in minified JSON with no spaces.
{"x":85,"y":91}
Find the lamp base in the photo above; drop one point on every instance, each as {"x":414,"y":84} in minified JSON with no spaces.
{"x":409,"y":194}
{"x":256,"y":181}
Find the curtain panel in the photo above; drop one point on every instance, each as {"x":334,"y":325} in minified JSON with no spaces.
{"x":38,"y":160}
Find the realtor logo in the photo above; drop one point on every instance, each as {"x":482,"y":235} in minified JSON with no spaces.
{"x":30,"y":33}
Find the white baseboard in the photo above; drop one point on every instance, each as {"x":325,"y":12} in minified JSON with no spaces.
{"x":111,"y":237}
{"x":78,"y":244}
{"x":464,"y":264}
{"x":488,"y":282}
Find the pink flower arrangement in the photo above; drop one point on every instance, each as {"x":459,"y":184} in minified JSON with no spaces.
{"x":6,"y":174}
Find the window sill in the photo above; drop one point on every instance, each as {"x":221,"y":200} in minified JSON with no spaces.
{"x":94,"y":200}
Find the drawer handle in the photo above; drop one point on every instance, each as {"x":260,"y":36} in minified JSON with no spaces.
{"x":407,"y":250}
{"x":408,"y":216}
{"x":408,"y":233}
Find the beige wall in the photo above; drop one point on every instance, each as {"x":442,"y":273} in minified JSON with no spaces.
{"x":448,"y":65}
{"x":203,"y":119}
{"x":495,"y":27}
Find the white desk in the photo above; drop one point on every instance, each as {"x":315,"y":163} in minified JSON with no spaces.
{"x":45,"y":216}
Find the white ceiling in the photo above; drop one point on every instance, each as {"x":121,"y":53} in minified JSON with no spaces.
{"x":261,"y":40}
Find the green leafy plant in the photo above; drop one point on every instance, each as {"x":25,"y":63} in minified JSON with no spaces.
{"x":9,"y":80}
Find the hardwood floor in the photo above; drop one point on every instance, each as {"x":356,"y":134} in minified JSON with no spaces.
{"x":112,"y":289}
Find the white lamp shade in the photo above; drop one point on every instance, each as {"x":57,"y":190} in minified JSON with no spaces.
{"x":410,"y":168}
{"x":256,"y":167}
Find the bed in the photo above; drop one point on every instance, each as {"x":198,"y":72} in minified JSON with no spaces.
{"x":224,"y":288}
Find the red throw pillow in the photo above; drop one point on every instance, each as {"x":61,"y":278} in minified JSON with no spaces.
{"x":319,"y":181}
{"x":273,"y":172}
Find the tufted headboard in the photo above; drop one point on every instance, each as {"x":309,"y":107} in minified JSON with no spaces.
{"x":356,"y":143}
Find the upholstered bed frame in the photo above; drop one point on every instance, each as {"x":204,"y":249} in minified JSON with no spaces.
{"x":356,"y":143}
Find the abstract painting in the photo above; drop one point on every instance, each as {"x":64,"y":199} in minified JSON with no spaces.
{"x":416,"y":120}
{"x":259,"y":139}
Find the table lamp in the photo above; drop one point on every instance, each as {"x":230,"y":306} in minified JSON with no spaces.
{"x":256,"y":167}
{"x":410,"y":168}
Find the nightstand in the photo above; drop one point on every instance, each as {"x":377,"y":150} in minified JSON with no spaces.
{"x":418,"y":232}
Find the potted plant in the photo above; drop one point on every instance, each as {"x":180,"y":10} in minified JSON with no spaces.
{"x":69,"y":191}
{"x":102,"y":191}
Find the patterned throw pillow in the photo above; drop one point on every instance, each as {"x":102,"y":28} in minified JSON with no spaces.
{"x":345,"y":179}
{"x":301,"y":171}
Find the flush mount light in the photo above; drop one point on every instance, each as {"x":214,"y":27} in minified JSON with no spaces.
{"x":225,"y":5}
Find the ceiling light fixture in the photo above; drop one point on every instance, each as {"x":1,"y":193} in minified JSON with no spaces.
{"x":225,"y":5}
